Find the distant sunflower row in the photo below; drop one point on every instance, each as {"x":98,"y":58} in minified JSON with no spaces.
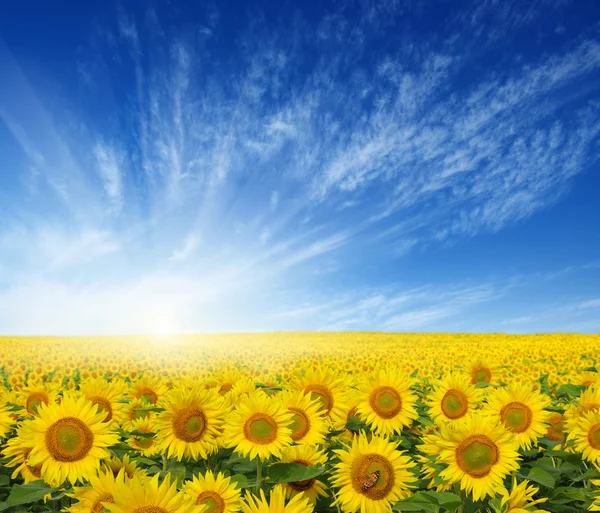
{"x":290,"y":432}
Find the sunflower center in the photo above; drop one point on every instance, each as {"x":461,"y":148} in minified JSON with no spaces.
{"x":97,"y":507}
{"x":147,"y":395}
{"x":150,"y":509}
{"x":454,"y":404}
{"x":516,"y":417}
{"x":476,"y":455}
{"x":322,"y":394}
{"x":69,"y":439}
{"x":144,"y":442}
{"x":594,"y":436}
{"x":260,"y":429}
{"x":189,"y":424}
{"x":365,"y":466}
{"x":386,"y":402}
{"x":300,"y":424}
{"x":35,"y":400}
{"x":212,"y":500}
{"x":481,"y":375}
{"x":103,"y":405}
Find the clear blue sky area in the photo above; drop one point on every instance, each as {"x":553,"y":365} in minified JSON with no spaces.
{"x":344,"y":165}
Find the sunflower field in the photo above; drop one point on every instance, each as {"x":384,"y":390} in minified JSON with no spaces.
{"x":300,"y":422}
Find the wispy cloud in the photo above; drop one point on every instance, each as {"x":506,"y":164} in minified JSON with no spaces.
{"x":190,"y":244}
{"x":109,"y":167}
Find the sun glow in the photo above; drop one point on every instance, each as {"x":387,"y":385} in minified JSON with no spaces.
{"x":163,"y":328}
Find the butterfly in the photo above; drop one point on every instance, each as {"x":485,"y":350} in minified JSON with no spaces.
{"x":370,"y":480}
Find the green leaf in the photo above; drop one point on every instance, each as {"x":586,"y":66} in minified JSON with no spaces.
{"x":241,"y":480}
{"x":4,"y":480}
{"x":26,"y":494}
{"x":447,"y":500}
{"x":575,"y":459}
{"x":354,"y":424}
{"x":592,"y":473}
{"x":540,"y":476}
{"x":416,"y":506}
{"x":142,"y":434}
{"x":145,"y":461}
{"x":589,"y":369}
{"x":420,"y":501}
{"x":483,"y":385}
{"x":149,"y":408}
{"x":121,"y":446}
{"x":569,"y":390}
{"x":292,"y":472}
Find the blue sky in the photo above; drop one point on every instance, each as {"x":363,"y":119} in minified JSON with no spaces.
{"x":360,"y":165}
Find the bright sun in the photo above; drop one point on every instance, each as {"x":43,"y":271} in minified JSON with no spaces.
{"x":163,"y":328}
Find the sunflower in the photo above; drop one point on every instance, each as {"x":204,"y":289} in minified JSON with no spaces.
{"x":307,"y":456}
{"x":6,"y":420}
{"x":241,"y":389}
{"x":68,"y":439}
{"x":352,"y":399}
{"x":226,"y":380}
{"x":453,"y":398}
{"x":276,"y":503}
{"x":481,"y":371}
{"x":146,"y":445}
{"x":149,"y":389}
{"x":259,"y":427}
{"x":588,"y":379}
{"x":365,"y":459}
{"x":589,"y":400}
{"x":308,"y":423}
{"x":106,"y":396}
{"x":141,"y":495}
{"x":190,"y":424}
{"x":129,"y":468}
{"x":386,"y":402}
{"x":595,"y":506}
{"x":520,"y":498}
{"x":521,"y":410}
{"x":556,"y":426}
{"x":19,"y":454}
{"x":327,"y":387}
{"x":133,"y":411}
{"x":586,"y":436}
{"x":431,"y":447}
{"x":90,"y":498}
{"x":36,"y":395}
{"x":479,"y":454}
{"x":217,"y":493}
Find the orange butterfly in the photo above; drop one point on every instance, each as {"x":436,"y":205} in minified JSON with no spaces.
{"x":370,"y":480}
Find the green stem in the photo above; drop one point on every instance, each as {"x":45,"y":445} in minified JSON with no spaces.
{"x":337,"y":504}
{"x":258,"y":474}
{"x":165,"y":462}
